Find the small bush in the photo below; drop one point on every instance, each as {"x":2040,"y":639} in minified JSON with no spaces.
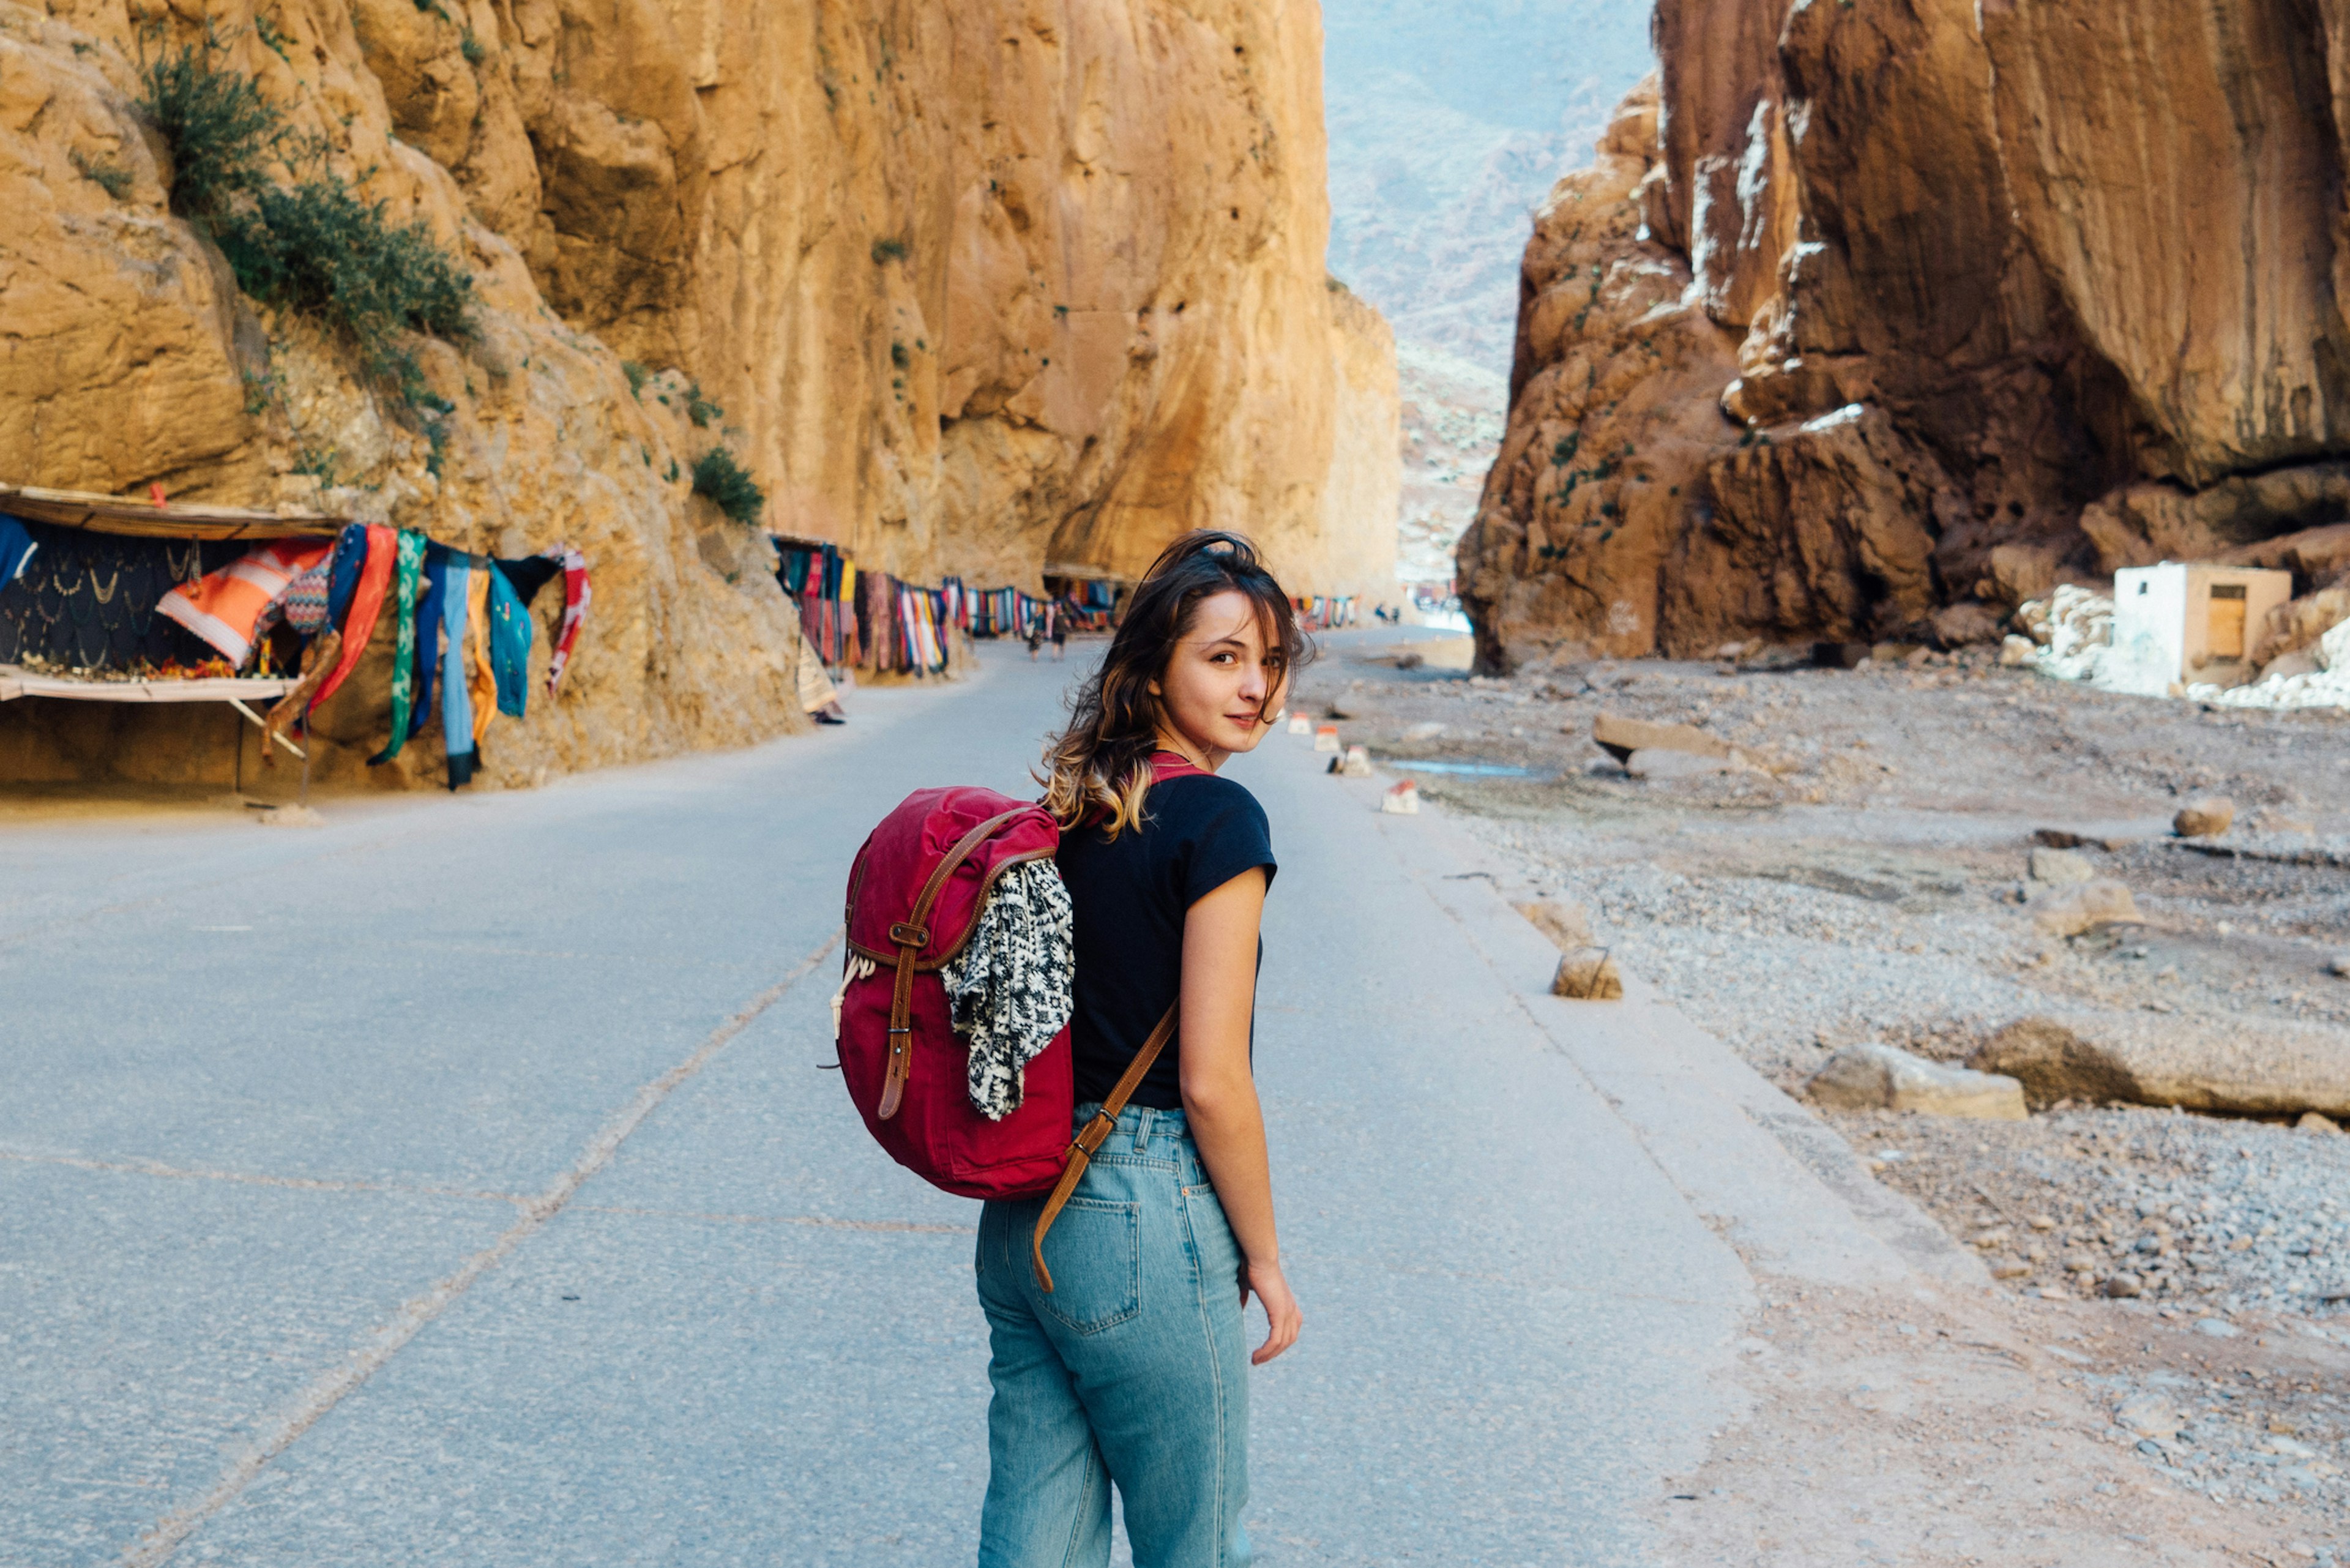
{"x":321,"y":463}
{"x":638,"y":376}
{"x":321,"y":250}
{"x":221,"y":131}
{"x":888,"y":251}
{"x":315,"y":247}
{"x":470,"y":47}
{"x":899,"y":356}
{"x":701,"y":410}
{"x":729,"y":485}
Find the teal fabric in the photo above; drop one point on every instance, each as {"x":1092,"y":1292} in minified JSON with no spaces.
{"x":1132,"y":1372}
{"x":408,"y":570}
{"x":510,"y":634}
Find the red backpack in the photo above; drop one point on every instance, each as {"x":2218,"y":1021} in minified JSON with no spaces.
{"x":914,"y":895}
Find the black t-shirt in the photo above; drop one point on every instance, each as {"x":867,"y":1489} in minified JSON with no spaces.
{"x":1129,"y":896}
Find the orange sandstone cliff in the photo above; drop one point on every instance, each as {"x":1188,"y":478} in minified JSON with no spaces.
{"x":1869,"y":319}
{"x":978,"y":289}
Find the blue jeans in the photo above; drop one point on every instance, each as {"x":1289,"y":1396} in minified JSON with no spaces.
{"x":1133,"y":1372}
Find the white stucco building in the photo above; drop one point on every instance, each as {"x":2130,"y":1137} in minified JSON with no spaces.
{"x":2187,"y":623}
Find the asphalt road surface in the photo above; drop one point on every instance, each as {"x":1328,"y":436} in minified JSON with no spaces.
{"x":457,"y":1183}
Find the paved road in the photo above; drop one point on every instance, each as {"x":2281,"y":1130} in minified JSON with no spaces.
{"x":457,"y":1184}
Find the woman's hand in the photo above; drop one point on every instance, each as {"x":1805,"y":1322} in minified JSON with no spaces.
{"x":1279,"y":1308}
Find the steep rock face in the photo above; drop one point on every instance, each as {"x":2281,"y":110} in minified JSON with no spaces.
{"x":975,"y":289}
{"x":130,"y":359}
{"x":982,"y":287}
{"x":1972,"y":293}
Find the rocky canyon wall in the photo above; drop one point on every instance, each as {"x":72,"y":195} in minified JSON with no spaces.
{"x":970,"y":289}
{"x":1869,"y":319}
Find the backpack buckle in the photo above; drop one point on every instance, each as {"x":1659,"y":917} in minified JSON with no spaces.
{"x":906,"y":936}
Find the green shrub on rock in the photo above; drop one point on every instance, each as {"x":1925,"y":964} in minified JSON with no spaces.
{"x":729,"y":485}
{"x":314,"y":246}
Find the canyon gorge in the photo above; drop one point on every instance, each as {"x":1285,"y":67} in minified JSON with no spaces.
{"x":1868,"y":322}
{"x":981,"y":290}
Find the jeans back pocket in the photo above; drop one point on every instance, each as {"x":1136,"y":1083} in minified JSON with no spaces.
{"x":1095,"y":1251}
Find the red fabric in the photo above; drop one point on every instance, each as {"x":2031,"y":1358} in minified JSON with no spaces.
{"x":936,"y":1132}
{"x":367,"y":604}
{"x":577,"y":592}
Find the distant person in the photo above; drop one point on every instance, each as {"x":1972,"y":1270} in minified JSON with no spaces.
{"x":1130,"y":1371}
{"x":1036,"y":634}
{"x":1060,"y":636}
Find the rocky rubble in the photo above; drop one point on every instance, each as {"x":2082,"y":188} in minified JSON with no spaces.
{"x":1877,"y":880}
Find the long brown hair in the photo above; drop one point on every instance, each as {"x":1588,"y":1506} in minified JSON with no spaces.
{"x":1100,"y":763}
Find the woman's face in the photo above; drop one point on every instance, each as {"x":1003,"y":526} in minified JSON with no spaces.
{"x":1223,"y":687}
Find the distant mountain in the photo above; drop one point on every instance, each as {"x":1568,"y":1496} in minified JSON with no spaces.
{"x":1450,"y":119}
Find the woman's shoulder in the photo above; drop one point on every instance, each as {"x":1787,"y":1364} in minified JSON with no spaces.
{"x":1195,"y":801}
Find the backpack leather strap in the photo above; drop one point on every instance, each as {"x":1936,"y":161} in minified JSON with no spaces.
{"x":912,"y":935}
{"x":1090,"y":1139}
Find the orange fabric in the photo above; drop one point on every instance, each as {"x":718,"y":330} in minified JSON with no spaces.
{"x":224,"y":607}
{"x":481,"y":675}
{"x":367,"y":604}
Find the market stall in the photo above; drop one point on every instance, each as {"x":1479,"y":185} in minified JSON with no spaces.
{"x":109,"y":599}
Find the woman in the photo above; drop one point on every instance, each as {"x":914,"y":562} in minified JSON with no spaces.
{"x":1129,"y":1372}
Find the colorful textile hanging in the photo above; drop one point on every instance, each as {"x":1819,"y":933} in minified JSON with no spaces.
{"x":575,"y":595}
{"x":370,"y":552}
{"x":343,"y":572}
{"x":528,"y":574}
{"x":431,"y":610}
{"x":456,"y":699}
{"x":306,"y":601}
{"x":1321,"y":612}
{"x":409,"y":570}
{"x":510,"y":639}
{"x":481,"y":675}
{"x":225,"y":608}
{"x":16,"y":549}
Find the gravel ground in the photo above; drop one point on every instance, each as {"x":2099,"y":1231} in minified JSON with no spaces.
{"x":1933,"y":1427}
{"x":1866,"y":882}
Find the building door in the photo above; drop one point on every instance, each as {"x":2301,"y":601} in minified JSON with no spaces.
{"x":2226,"y":636}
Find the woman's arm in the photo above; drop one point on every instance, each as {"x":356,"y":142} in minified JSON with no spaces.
{"x":1219,"y":933}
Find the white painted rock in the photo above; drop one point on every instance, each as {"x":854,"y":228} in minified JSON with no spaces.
{"x":1402,"y":800}
{"x":1358,"y":762}
{"x":1325,"y":738}
{"x":1880,"y":1077}
{"x":1299,"y":725}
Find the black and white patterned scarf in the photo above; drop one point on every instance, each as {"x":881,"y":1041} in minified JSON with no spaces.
{"x":1009,"y":987}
